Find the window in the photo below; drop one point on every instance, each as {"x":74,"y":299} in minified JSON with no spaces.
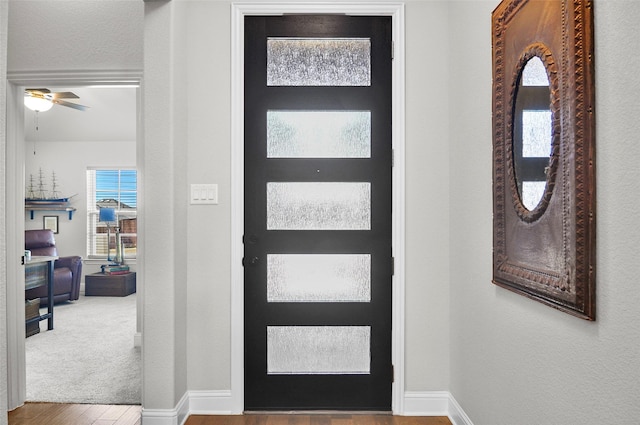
{"x":117,"y":189}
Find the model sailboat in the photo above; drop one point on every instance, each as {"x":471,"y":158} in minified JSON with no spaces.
{"x":37,"y":195}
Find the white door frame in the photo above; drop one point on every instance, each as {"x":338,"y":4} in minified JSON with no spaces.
{"x":14,"y":163}
{"x":238,"y":12}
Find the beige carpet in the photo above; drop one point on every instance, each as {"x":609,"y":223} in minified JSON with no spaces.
{"x":89,"y":356}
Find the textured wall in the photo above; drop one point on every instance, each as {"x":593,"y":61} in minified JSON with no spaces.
{"x":163,"y":374}
{"x":75,"y":35}
{"x":209,"y":226}
{"x":427,"y":197}
{"x":513,"y":360}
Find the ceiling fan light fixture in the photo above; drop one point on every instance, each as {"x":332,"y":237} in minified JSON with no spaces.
{"x":38,"y":104}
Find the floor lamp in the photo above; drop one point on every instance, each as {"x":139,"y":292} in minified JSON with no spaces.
{"x":108,"y":215}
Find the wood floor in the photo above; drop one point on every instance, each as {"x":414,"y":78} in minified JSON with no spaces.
{"x":75,"y":414}
{"x":91,"y":414}
{"x":317,"y":419}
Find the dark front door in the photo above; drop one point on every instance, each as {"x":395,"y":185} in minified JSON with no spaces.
{"x":317,"y":243}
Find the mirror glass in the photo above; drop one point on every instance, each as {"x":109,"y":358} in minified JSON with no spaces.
{"x":532,"y":133}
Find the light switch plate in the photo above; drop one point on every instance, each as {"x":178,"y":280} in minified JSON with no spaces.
{"x":203,"y":194}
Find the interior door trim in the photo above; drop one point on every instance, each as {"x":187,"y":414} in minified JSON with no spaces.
{"x":238,"y":12}
{"x":14,"y":236}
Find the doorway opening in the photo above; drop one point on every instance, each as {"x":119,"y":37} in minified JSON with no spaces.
{"x":61,"y":144}
{"x":90,"y":356}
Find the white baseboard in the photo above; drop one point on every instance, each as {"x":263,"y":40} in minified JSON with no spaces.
{"x":210,"y":402}
{"x":137,"y":339}
{"x":429,"y":403}
{"x":434,"y":403}
{"x":177,"y":416}
{"x":159,"y":416}
{"x":456,"y":414}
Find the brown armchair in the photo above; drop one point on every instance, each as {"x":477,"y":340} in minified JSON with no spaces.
{"x":67,"y":270}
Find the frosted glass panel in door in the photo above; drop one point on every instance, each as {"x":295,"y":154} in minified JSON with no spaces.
{"x":318,"y":206}
{"x":318,"y":134}
{"x":318,"y":350}
{"x":318,"y":62}
{"x":318,"y":277}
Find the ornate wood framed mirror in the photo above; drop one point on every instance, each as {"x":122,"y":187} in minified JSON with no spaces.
{"x":544,"y":152}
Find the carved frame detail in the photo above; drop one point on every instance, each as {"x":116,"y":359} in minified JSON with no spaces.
{"x":547,"y":254}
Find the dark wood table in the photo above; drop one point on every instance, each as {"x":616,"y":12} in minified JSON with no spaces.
{"x":110,"y":285}
{"x":38,"y":271}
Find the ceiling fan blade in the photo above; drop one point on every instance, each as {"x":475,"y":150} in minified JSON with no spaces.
{"x":38,"y":90}
{"x":70,"y":105}
{"x":63,"y":95}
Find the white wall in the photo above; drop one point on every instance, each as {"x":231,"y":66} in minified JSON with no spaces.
{"x":209,"y":227}
{"x":75,"y":35}
{"x":69,"y":161}
{"x":164,"y":203}
{"x":513,"y":360}
{"x":427,"y":197}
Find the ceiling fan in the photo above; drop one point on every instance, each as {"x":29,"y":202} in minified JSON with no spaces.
{"x":41,"y":100}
